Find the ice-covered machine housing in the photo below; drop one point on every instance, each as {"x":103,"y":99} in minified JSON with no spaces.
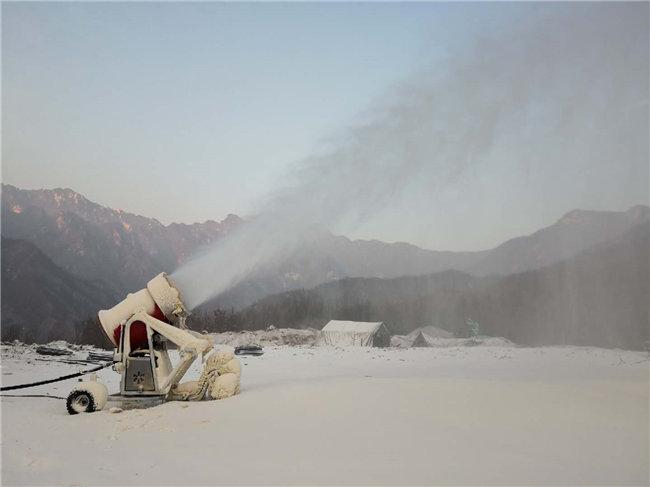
{"x":161,"y":299}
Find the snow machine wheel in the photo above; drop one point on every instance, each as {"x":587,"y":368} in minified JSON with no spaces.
{"x":80,"y":402}
{"x":87,"y":397}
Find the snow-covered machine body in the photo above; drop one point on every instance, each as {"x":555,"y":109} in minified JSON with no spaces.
{"x":141,"y":328}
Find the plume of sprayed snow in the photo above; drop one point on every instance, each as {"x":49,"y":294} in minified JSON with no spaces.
{"x":569,"y":86}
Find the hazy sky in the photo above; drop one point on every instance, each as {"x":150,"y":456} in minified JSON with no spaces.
{"x":187,"y":112}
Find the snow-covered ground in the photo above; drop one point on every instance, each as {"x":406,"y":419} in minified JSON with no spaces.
{"x":457,"y":415}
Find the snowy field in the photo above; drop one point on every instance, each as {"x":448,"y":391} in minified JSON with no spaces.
{"x":459,"y":415}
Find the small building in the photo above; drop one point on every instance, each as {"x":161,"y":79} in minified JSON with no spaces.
{"x":355,"y":333}
{"x":420,"y":341}
{"x":427,"y":336}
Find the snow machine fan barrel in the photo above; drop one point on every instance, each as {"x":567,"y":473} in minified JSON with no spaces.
{"x":161,"y":299}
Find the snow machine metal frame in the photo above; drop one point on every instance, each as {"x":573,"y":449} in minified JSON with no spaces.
{"x":149,"y":372}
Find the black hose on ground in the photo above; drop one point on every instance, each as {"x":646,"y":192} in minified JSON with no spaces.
{"x":32,"y":395}
{"x":58,"y":379}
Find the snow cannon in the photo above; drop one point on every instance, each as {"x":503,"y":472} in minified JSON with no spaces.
{"x":142,"y":328}
{"x":161,"y":300}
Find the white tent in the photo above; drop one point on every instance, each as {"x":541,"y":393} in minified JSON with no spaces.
{"x":355,"y":333}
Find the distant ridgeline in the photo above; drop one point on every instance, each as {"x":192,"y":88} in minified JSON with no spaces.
{"x":583,"y":280}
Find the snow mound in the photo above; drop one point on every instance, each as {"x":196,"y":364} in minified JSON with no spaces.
{"x":76,"y":352}
{"x":479,"y":341}
{"x":421,"y":338}
{"x":269,"y":337}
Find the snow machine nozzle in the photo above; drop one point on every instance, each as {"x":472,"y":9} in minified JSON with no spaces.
{"x":161,"y":299}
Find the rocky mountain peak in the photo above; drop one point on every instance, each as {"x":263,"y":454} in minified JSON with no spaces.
{"x":576,"y":216}
{"x":91,"y":241}
{"x":635,"y":214}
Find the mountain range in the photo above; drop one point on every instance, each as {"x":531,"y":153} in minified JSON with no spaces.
{"x":335,"y":257}
{"x":94,"y":242}
{"x":101,"y":254}
{"x":597,"y":297}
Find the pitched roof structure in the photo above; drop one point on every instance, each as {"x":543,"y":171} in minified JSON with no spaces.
{"x":355,"y":333}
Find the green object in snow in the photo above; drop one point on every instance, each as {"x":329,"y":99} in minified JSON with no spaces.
{"x":473,"y":327}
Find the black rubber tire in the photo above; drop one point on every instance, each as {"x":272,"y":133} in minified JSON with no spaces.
{"x":80,"y":402}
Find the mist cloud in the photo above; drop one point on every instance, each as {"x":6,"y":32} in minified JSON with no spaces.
{"x":566,"y":92}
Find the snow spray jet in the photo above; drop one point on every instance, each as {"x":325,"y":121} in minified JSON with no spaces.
{"x":556,"y":89}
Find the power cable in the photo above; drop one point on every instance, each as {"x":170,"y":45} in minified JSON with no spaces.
{"x":58,"y":379}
